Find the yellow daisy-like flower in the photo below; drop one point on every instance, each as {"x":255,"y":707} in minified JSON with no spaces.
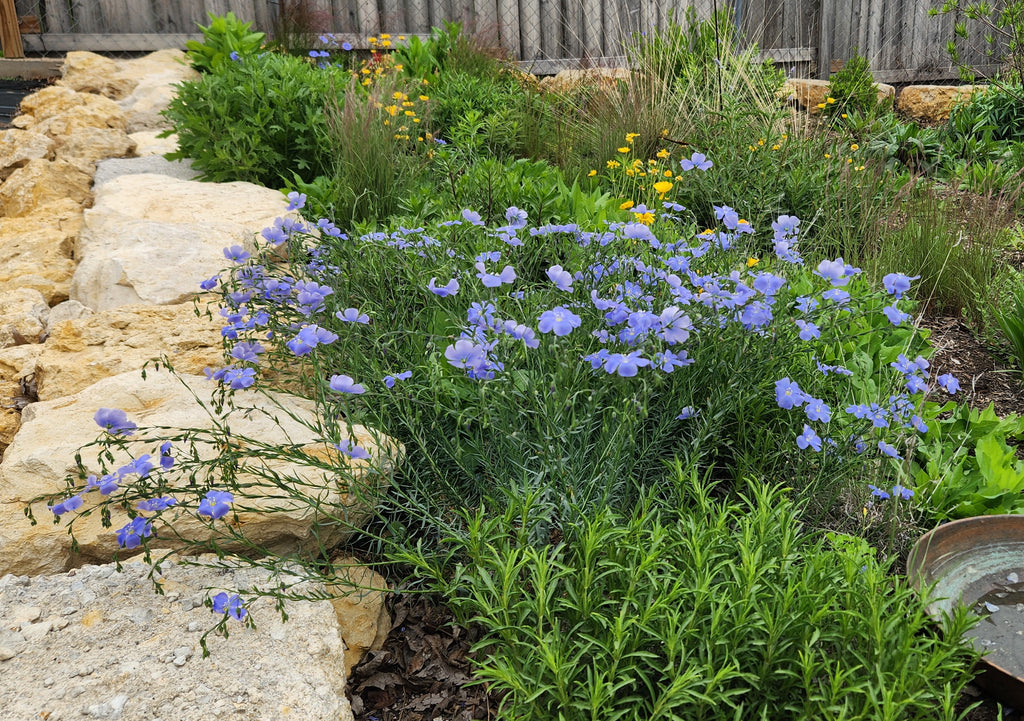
{"x":365,"y":71}
{"x":623,"y":150}
{"x":830,"y":101}
{"x":415,"y":120}
{"x":854,"y":147}
{"x":424,"y":98}
{"x":626,"y":205}
{"x":664,"y":132}
{"x":637,"y":163}
{"x":662,"y":187}
{"x":828,"y":155}
{"x":401,"y":37}
{"x":592,"y":173}
{"x":821,"y":106}
{"x":776,"y":146}
{"x":860,"y":167}
{"x":371,"y":39}
{"x":630,"y":136}
{"x":642,"y":174}
{"x":761,"y":141}
{"x":843,"y":116}
{"x":384,"y":36}
{"x":407,"y":103}
{"x":751,"y":262}
{"x":663,"y":153}
{"x":751,"y":148}
{"x":366,"y":81}
{"x":784,"y":136}
{"x":652,"y":161}
{"x":411,"y":113}
{"x":392,"y":109}
{"x":419,"y":139}
{"x":613,"y":163}
{"x":385,"y":43}
{"x":668,"y":173}
{"x":645,"y":218}
{"x":397,"y":95}
{"x":849,"y":160}
{"x":630,"y":172}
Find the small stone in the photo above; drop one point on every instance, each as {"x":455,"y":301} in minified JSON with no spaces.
{"x":35,"y":632}
{"x":61,"y":624}
{"x":180,"y":661}
{"x":47,"y":682}
{"x":195,"y":626}
{"x":77,"y":585}
{"x":68,"y":610}
{"x":6,"y":652}
{"x":104,"y":571}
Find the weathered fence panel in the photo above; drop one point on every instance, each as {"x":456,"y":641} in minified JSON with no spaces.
{"x":901,"y":41}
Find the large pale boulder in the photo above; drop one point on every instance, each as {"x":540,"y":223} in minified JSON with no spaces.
{"x":149,"y":142}
{"x":23,"y":313}
{"x":359,"y":602}
{"x":156,"y":76}
{"x":36,"y":249}
{"x":107,"y":170}
{"x":933,"y":103}
{"x":100,"y":643}
{"x":83,"y":350}
{"x":16,"y":384}
{"x":150,"y":239}
{"x":570,"y":80}
{"x":810,"y":93}
{"x":50,"y":101}
{"x":17,"y":147}
{"x":86,"y":145}
{"x":86,"y":72}
{"x":40,"y":182}
{"x":309,"y":498}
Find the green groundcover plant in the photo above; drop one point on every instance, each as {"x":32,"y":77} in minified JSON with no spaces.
{"x":698,"y":609}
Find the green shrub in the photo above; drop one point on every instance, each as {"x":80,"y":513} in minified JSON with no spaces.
{"x":997,"y":109}
{"x":853,"y":89}
{"x":259,"y":120}
{"x":223,"y":36}
{"x":694,"y":610}
{"x":1010,"y":318}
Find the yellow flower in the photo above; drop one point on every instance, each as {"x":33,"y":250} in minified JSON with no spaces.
{"x":384,"y":36}
{"x":854,"y":147}
{"x":630,"y":172}
{"x":662,"y":187}
{"x":623,"y":150}
{"x":613,"y":163}
{"x":392,"y":109}
{"x":630,"y":136}
{"x":642,"y":174}
{"x":386,"y":43}
{"x":410,"y":113}
{"x":761,"y":141}
{"x":397,"y":95}
{"x":366,"y":81}
{"x":827,"y":156}
{"x":652,"y":161}
{"x":784,"y":136}
{"x":645,"y":218}
{"x":664,"y":132}
{"x":843,"y":116}
{"x":637,"y":163}
{"x":751,"y":148}
{"x":592,"y":173}
{"x":860,"y":167}
{"x":401,"y":37}
{"x":424,"y":98}
{"x":667,"y":173}
{"x":776,"y":146}
{"x":419,"y":139}
{"x":744,"y":222}
{"x":415,"y":120}
{"x":830,"y":101}
{"x":371,"y":39}
{"x":849,"y":160}
{"x":365,"y":71}
{"x":627,"y":205}
{"x":406,"y":103}
{"x":663,"y":153}
{"x":821,"y":106}
{"x":751,"y":262}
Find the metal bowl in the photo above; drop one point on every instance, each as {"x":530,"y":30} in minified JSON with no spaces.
{"x":979,"y":562}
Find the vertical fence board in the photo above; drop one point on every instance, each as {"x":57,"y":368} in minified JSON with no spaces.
{"x":369,"y":17}
{"x":572,"y":29}
{"x":418,"y":13}
{"x":57,"y":16}
{"x":529,"y":29}
{"x":485,"y":17}
{"x":591,"y":27}
{"x":179,"y":17}
{"x":508,"y":27}
{"x":85,"y":17}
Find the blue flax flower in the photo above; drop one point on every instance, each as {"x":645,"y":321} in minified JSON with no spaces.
{"x":352,"y":315}
{"x":351,"y":450}
{"x":67,"y":505}
{"x":131,"y":535}
{"x":560,"y":321}
{"x":688,"y":412}
{"x":888,"y":450}
{"x":166,"y":459}
{"x":465,"y":354}
{"x":506,"y":276}
{"x":156,"y":504}
{"x":903,"y":492}
{"x":390,"y":381}
{"x":808,"y":439}
{"x":879,"y":492}
{"x":216,"y":504}
{"x":895,"y":315}
{"x":296,"y":200}
{"x":897,"y":284}
{"x":625,"y":364}
{"x":114,"y":421}
{"x":345,"y":384}
{"x":816,"y":410}
{"x":948,"y":383}
{"x":561,"y":278}
{"x":232,"y":605}
{"x":451,"y":288}
{"x":236,"y":254}
{"x":833,"y":271}
{"x":697,"y":161}
{"x":788,"y":394}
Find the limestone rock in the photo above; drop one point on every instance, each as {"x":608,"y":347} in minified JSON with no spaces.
{"x":100,"y":643}
{"x":107,"y":170}
{"x":90,"y":73}
{"x":50,"y":101}
{"x":567,"y":81}
{"x":156,"y":75}
{"x":36,"y":249}
{"x":68,"y":310}
{"x":40,"y":182}
{"x":148,"y":143}
{"x":310,"y":499}
{"x":151,"y":238}
{"x":23,"y":313}
{"x":16,"y":365}
{"x":810,"y":93}
{"x":85,"y":145}
{"x":95,"y":111}
{"x":359,"y":604}
{"x":17,"y":147}
{"x":933,"y":103}
{"x":86,"y":349}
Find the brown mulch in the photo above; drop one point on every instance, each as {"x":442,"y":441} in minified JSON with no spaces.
{"x":423,"y":670}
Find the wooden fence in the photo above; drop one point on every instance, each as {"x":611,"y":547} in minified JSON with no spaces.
{"x":903,"y":43}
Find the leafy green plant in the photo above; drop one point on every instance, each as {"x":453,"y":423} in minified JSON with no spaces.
{"x":1002,"y":27}
{"x":223,"y":36}
{"x":963,"y":465}
{"x":853,"y":88}
{"x":1011,"y":322}
{"x":997,"y":109}
{"x":257,"y":120}
{"x":691,"y":608}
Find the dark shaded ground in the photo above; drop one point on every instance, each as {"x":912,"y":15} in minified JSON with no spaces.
{"x":423,"y":670}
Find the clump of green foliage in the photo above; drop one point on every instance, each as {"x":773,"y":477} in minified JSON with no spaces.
{"x":853,"y":88}
{"x":258,"y":119}
{"x":692,"y":608}
{"x":224,"y":35}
